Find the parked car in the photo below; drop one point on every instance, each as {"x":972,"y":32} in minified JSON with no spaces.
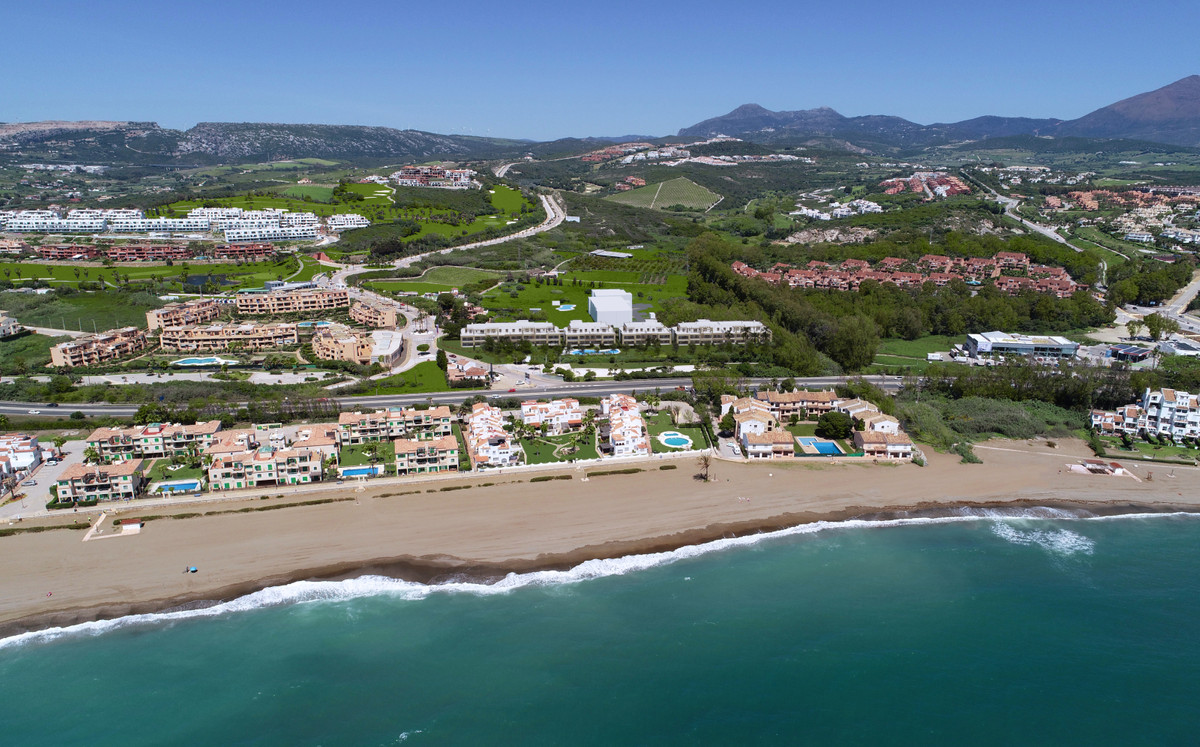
{"x":30,"y":483}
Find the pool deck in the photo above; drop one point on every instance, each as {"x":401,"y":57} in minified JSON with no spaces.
{"x":806,"y":444}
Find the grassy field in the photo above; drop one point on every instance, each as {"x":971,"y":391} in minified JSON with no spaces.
{"x":308,"y":268}
{"x":160,"y":472}
{"x":918,"y":348}
{"x":435,"y":280}
{"x":312,"y":191}
{"x":667,"y":194}
{"x":252,"y":274}
{"x":80,"y":311}
{"x":1144,"y":449}
{"x":1096,"y":236}
{"x":529,"y":297}
{"x":423,"y":377}
{"x":28,"y":351}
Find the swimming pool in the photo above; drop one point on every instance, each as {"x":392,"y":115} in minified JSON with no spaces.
{"x":589,"y":351}
{"x":179,"y":486}
{"x":566,"y":307}
{"x":821,"y":447}
{"x":674,"y":439}
{"x":211,"y":361}
{"x":313,"y":324}
{"x":361,"y":471}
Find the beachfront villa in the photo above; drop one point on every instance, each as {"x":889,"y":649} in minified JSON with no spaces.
{"x":112,"y":482}
{"x":773,"y":444}
{"x":19,"y":453}
{"x":558,"y":416}
{"x":801,"y":403}
{"x":883,"y":445}
{"x":264,"y":465}
{"x":488,"y":443}
{"x":625,"y":431}
{"x":425,"y":457}
{"x":154,"y":440}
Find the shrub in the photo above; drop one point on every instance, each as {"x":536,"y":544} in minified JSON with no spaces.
{"x":964,"y":450}
{"x":629,"y":471}
{"x":668,"y":466}
{"x":547,"y":478}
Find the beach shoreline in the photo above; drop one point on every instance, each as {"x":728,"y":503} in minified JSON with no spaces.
{"x":482,"y":533}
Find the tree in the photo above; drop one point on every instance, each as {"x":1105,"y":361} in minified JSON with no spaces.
{"x":1135,"y":327}
{"x":853,"y":343}
{"x":1159,"y":326}
{"x":704,"y":462}
{"x":728,"y":424}
{"x":835,"y":424}
{"x":91,"y":455}
{"x":442,"y":361}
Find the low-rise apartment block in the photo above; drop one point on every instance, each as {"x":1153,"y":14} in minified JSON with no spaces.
{"x":374,"y":314}
{"x":580,"y":334}
{"x":292,"y":301}
{"x":8,"y":326}
{"x":488,"y":443}
{"x":212,"y":337}
{"x":706,"y":332}
{"x":147,"y":253}
{"x":19,"y":453}
{"x":95,"y":350}
{"x":179,"y":314}
{"x":602,"y":334}
{"x":249,"y":252}
{"x":802,"y":403}
{"x":265,"y":466}
{"x":649,"y":332}
{"x":340,"y":343}
{"x":387,"y":425}
{"x":422,"y":457}
{"x":67,"y":252}
{"x":537,"y":333}
{"x":151,"y":441}
{"x":109,"y":482}
{"x":883,"y":445}
{"x":558,"y":415}
{"x":1161,"y":412}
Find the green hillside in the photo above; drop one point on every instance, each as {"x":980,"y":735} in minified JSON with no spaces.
{"x":667,"y":194}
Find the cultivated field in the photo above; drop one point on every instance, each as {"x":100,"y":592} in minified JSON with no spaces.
{"x":667,"y":194}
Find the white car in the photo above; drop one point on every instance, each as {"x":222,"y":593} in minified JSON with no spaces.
{"x":35,"y":412}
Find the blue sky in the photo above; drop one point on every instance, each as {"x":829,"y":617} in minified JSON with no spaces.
{"x":546,"y":70}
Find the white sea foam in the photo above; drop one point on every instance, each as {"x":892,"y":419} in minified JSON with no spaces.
{"x":1056,"y":540}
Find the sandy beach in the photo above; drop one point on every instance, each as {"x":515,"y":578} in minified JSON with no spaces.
{"x":54,"y":578}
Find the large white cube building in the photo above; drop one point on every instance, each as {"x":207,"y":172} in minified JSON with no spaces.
{"x":611,"y":306}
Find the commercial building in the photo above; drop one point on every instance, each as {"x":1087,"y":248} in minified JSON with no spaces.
{"x":265,"y":466}
{"x":108,"y":482}
{"x":291,"y":301}
{"x":488,"y":444}
{"x":422,"y":457}
{"x":558,"y":415}
{"x":200,"y":338}
{"x":340,"y":343}
{"x":386,"y":425}
{"x":154,"y":440}
{"x":94,"y":350}
{"x":179,"y":314}
{"x":611,"y":306}
{"x":1003,"y":343}
{"x":374,"y":314}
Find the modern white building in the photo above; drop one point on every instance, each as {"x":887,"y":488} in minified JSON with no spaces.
{"x":346,"y":221}
{"x":627,"y":434}
{"x":279,"y":233}
{"x":558,"y":415}
{"x":611,"y":306}
{"x":538,"y":333}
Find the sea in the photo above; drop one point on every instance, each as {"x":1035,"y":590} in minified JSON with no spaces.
{"x":985,"y":628}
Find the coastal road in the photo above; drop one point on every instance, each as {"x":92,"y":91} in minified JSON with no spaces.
{"x":574,"y":389}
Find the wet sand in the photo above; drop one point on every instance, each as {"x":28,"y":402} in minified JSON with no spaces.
{"x":54,"y":578}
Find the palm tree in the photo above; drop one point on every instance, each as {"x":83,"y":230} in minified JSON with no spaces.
{"x":91,"y":455}
{"x":704,"y":462}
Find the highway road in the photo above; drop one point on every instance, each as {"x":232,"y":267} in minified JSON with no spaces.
{"x":574,"y":389}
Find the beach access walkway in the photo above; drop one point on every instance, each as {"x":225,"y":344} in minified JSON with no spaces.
{"x":97,"y":530}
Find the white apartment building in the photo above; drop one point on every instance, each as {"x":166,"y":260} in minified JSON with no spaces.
{"x":649,"y":331}
{"x":54,"y":224}
{"x":8,"y":326}
{"x":706,"y":332}
{"x":538,"y":333}
{"x":1163,"y":412}
{"x":280,"y":233}
{"x":346,"y":221}
{"x":580,"y":334}
{"x":558,"y":415}
{"x":488,"y":443}
{"x":627,"y":434}
{"x":159,"y":225}
{"x":19,"y":453}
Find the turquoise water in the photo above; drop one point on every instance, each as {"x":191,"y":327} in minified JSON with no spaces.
{"x":185,"y":486}
{"x":362,"y":471}
{"x":988,"y":631}
{"x":202,"y":361}
{"x":822,"y":447}
{"x":675,"y":439}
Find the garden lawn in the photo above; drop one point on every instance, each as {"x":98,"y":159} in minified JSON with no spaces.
{"x":159,"y":472}
{"x":662,"y":422}
{"x":356,"y":456}
{"x":423,"y":377}
{"x":541,"y":297}
{"x":540,"y":449}
{"x":917,"y":349}
{"x":1145,"y":449}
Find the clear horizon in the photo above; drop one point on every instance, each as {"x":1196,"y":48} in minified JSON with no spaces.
{"x":550,"y":71}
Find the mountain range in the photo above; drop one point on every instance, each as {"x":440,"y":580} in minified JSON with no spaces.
{"x":1168,"y":115}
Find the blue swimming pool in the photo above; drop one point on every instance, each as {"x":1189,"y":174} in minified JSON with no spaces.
{"x":211,"y":361}
{"x":362,"y":471}
{"x":822,"y":447}
{"x":675,"y":439}
{"x":179,"y":486}
{"x":313,"y":324}
{"x":566,"y":307}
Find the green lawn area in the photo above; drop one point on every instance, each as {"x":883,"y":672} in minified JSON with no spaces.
{"x":247,"y":275}
{"x":27,"y":351}
{"x":309,"y":268}
{"x":540,"y":449}
{"x":918,"y":348}
{"x":662,"y":422}
{"x":531,"y":296}
{"x":159,"y":472}
{"x":312,"y":191}
{"x":356,"y":455}
{"x":802,"y":429}
{"x":506,"y":199}
{"x":424,"y":377}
